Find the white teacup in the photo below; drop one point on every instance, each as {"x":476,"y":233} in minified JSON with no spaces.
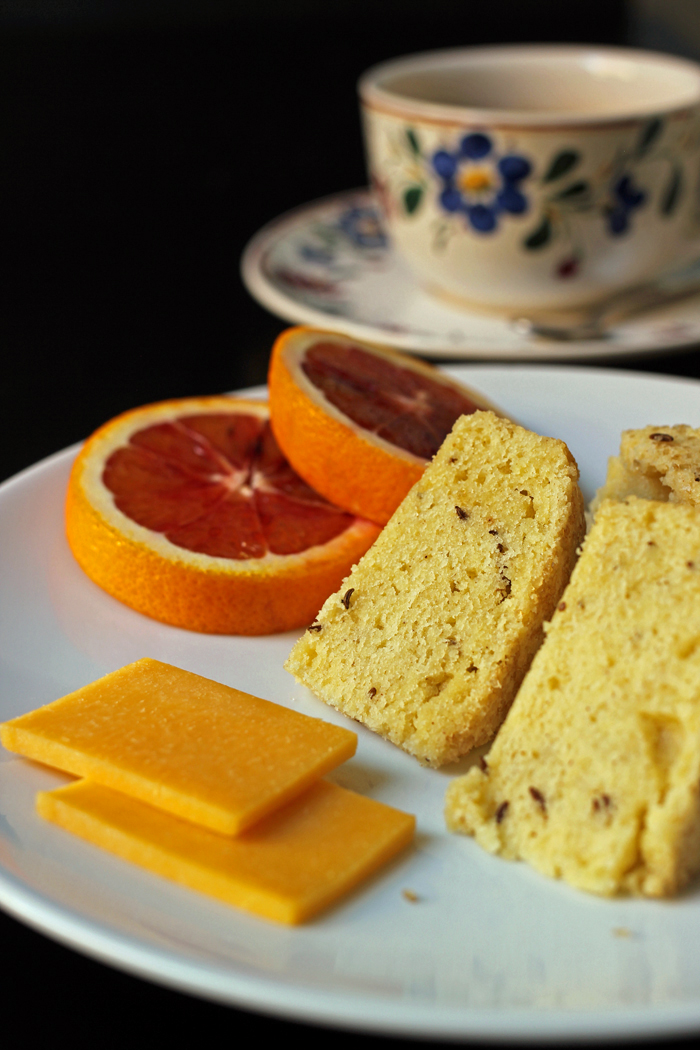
{"x":536,"y":176}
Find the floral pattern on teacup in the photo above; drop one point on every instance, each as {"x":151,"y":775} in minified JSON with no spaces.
{"x":480,"y":184}
{"x":614,"y":192}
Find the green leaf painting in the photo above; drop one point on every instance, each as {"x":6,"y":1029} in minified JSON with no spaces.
{"x":412,"y":198}
{"x":649,"y":134}
{"x":413,"y":142}
{"x":672,"y":192}
{"x":540,"y":236}
{"x":574,"y":191}
{"x":562,"y":163}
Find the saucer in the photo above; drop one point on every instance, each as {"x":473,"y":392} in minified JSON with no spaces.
{"x":330,"y":264}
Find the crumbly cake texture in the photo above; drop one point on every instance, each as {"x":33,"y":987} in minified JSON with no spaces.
{"x":428,"y":639}
{"x":661,"y":463}
{"x":595,"y":774}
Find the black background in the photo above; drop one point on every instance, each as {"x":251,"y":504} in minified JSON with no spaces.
{"x":140,"y":148}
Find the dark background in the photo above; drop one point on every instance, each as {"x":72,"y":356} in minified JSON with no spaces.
{"x":141,"y":146}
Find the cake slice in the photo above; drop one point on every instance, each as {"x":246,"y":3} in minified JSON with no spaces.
{"x":429,"y":637}
{"x":595,"y":775}
{"x":661,"y":463}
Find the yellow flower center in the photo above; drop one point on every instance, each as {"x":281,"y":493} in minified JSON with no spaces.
{"x":475,"y":180}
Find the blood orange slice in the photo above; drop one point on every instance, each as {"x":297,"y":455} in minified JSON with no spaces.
{"x":360,"y":422}
{"x":188,"y":512}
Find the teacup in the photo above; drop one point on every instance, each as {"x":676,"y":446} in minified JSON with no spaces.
{"x":536,"y":176}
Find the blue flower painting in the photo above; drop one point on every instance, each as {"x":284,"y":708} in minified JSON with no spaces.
{"x":479,"y":183}
{"x":625,"y":198}
{"x":363,"y":226}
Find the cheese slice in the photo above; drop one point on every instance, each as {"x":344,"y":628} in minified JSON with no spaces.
{"x":203,"y":751}
{"x":287,"y":868}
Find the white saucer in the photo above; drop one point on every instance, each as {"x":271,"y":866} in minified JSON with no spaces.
{"x":329,"y":264}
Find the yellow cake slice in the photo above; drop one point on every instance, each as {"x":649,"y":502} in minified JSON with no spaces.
{"x":429,"y":637}
{"x":661,"y":463}
{"x":595,"y":774}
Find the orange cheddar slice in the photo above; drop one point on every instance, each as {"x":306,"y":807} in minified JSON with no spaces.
{"x":203,"y":751}
{"x":288,"y":867}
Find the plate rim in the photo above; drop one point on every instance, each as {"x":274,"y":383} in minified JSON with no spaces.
{"x":338,"y":1010}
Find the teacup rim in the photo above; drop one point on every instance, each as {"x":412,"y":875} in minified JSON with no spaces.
{"x":375,"y":97}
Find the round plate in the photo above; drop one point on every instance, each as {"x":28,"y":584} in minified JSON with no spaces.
{"x":330,"y":264}
{"x":489,"y":949}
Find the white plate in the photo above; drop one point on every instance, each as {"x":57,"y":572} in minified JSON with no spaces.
{"x":490,"y":949}
{"x":329,"y":264}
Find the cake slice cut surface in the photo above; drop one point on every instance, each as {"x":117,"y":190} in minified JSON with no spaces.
{"x":429,"y":637}
{"x":289,"y":867}
{"x":201,"y":750}
{"x":595,"y":775}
